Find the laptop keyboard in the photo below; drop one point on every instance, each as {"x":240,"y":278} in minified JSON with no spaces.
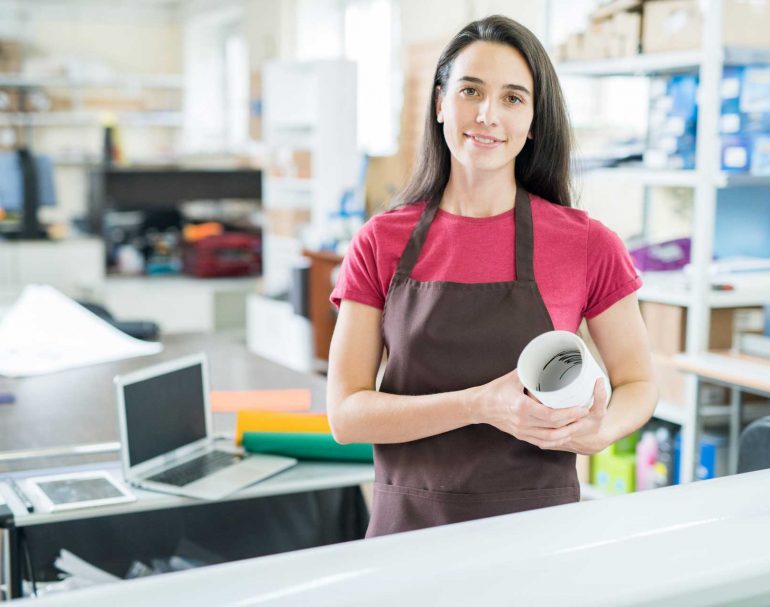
{"x":195,"y":469}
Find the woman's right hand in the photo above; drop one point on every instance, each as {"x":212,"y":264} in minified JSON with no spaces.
{"x":504,"y":404}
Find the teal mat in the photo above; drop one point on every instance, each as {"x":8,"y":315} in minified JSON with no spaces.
{"x":306,"y":445}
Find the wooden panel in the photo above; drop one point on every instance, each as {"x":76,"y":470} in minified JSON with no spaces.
{"x":322,"y":313}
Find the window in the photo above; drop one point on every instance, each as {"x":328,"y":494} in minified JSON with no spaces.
{"x":366,"y":32}
{"x":216,"y":82}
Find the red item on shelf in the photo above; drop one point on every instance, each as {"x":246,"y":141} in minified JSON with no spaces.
{"x":228,"y":254}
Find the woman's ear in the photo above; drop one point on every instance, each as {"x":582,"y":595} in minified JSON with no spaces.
{"x":439,"y":101}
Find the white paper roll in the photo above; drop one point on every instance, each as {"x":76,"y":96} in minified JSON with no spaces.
{"x":557,"y":369}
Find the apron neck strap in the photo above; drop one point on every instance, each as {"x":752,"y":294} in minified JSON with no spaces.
{"x":524,"y":239}
{"x":525,"y":242}
{"x":416,"y":240}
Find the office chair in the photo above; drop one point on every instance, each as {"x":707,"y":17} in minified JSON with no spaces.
{"x":754,"y":446}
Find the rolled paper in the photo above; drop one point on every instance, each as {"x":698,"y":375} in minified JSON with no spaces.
{"x":306,"y":446}
{"x":557,"y":368}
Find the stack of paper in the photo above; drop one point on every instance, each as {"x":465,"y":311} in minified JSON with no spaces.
{"x":45,"y":332}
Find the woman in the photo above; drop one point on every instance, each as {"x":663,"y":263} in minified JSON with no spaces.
{"x":483,"y":254}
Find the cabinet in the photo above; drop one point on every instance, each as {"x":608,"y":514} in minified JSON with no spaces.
{"x":152,"y":100}
{"x":323,"y":316}
{"x":75,"y":267}
{"x":309,"y":121}
{"x":180,"y":304}
{"x":706,"y":181}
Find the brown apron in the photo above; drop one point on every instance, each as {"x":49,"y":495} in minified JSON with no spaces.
{"x":446,"y":336}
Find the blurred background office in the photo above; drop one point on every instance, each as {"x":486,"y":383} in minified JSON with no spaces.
{"x":202,"y":165}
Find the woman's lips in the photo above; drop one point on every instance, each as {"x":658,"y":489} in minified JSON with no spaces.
{"x":484,"y":141}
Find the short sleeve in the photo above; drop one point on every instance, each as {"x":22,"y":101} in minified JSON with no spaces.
{"x":358,"y":278}
{"x":610,"y":273}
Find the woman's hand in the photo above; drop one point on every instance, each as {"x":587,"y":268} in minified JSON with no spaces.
{"x":504,"y":404}
{"x":586,"y":436}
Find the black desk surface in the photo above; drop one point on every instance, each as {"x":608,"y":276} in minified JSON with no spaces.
{"x":78,"y":407}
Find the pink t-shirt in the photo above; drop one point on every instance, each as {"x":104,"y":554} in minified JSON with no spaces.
{"x":581,"y":266}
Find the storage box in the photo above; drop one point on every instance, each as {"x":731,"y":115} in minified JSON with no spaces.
{"x":735,"y":155}
{"x":9,"y":100}
{"x":673,"y":25}
{"x":11,"y":53}
{"x":286,"y":222}
{"x":294,"y":164}
{"x":667,"y":327}
{"x":613,"y":474}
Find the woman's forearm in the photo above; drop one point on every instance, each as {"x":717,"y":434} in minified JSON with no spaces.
{"x":631,"y":406}
{"x":368,"y":416}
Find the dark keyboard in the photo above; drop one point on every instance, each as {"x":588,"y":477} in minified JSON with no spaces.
{"x":195,"y":469}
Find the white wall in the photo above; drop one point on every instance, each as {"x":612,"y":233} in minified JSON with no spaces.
{"x":432,"y":20}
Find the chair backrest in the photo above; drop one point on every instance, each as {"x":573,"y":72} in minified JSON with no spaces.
{"x":754,"y":446}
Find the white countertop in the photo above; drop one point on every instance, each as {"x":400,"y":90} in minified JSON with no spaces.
{"x":705,"y":543}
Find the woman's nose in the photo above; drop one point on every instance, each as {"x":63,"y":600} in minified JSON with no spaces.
{"x":487,"y":113}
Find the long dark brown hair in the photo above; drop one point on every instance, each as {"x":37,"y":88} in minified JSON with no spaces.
{"x":543,"y":165}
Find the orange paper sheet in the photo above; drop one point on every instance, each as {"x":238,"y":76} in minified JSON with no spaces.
{"x":229,"y":401}
{"x":266,"y":421}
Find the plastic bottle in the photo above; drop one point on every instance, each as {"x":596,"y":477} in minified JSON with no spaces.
{"x":646,"y":455}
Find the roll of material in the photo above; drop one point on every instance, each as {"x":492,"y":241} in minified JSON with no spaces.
{"x":306,"y":446}
{"x":557,"y":369}
{"x":268,"y":421}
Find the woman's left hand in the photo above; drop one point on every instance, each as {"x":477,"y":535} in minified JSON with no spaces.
{"x":586,"y":437}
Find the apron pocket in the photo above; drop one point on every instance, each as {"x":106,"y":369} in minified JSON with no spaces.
{"x":396,"y":508}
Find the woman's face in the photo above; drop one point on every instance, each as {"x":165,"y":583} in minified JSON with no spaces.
{"x":487,"y":107}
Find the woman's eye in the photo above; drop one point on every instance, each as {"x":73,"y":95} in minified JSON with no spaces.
{"x":469,"y":90}
{"x":514,"y":99}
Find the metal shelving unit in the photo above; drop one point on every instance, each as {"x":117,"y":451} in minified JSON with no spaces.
{"x":705,"y":180}
{"x":78,"y":119}
{"x":127,"y":81}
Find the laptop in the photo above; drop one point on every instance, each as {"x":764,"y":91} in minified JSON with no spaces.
{"x":166,"y":434}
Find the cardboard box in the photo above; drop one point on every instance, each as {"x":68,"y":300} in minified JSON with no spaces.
{"x":674,"y":25}
{"x":11,"y":53}
{"x":294,"y":164}
{"x":667,"y":327}
{"x":286,"y":222}
{"x":9,"y":100}
{"x":671,"y":382}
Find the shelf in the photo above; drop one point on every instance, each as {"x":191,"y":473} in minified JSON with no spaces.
{"x":635,"y":65}
{"x":80,"y":119}
{"x":737,"y":180}
{"x":673,"y":179}
{"x":659,"y":63}
{"x":147,"y":81}
{"x":672,"y":290}
{"x":737,"y":55}
{"x":643,"y":176}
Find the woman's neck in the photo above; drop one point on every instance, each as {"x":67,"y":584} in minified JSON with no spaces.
{"x":479,"y":195}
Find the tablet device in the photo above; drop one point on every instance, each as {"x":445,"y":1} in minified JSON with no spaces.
{"x":69,"y":491}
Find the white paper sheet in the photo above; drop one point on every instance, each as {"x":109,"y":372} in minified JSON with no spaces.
{"x":45,"y":331}
{"x":83,"y":570}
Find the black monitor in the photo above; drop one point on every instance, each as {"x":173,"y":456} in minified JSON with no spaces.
{"x":26,"y":184}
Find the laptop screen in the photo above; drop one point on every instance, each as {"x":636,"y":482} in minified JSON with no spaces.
{"x":164,"y":413}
